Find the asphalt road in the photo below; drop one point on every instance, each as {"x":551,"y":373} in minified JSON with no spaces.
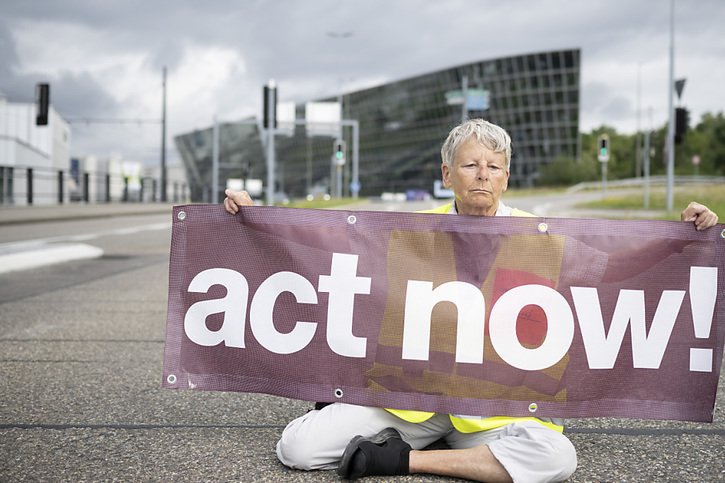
{"x":81,"y":348}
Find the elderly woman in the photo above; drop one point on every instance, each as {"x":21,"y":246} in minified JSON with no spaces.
{"x":361,"y":441}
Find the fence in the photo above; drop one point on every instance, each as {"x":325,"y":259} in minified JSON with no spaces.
{"x":23,"y":185}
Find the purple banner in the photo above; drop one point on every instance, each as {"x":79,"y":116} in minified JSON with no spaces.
{"x":467,"y":315}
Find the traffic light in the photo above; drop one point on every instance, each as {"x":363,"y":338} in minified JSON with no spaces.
{"x":682,"y":120}
{"x":269,"y":94}
{"x":42,"y":103}
{"x":603,"y":148}
{"x":339,"y":152}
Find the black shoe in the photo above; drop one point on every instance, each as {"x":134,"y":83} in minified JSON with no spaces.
{"x":383,"y":454}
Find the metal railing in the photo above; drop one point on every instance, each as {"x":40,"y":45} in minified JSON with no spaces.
{"x":25,"y":185}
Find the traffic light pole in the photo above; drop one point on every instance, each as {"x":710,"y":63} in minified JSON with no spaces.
{"x":603,"y":157}
{"x":355,"y":182}
{"x":271,"y":161}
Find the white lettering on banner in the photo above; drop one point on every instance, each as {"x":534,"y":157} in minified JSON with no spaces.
{"x":703,"y":293}
{"x":647,"y":350}
{"x":502,"y":327}
{"x":419,"y":302}
{"x":262,"y":309}
{"x":233,"y":305}
{"x":342,"y":284}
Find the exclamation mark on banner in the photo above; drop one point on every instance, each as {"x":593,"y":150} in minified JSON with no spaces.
{"x":703,"y":292}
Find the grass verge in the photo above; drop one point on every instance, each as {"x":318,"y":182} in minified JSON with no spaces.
{"x":713,"y":196}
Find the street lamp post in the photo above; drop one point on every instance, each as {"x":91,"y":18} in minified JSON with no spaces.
{"x":163,"y":139}
{"x":671,"y":112}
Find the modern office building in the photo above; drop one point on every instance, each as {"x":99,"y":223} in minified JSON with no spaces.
{"x":402,"y":125}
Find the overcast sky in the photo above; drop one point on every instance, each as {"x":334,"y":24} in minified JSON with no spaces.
{"x":104,"y":58}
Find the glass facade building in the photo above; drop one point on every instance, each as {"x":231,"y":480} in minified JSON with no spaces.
{"x":535,"y":97}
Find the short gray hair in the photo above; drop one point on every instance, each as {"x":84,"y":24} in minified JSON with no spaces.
{"x":490,"y":135}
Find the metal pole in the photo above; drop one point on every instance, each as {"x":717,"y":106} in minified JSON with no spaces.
{"x":355,"y":158}
{"x":340,"y":136}
{"x":342,"y":115}
{"x":163,"y":138}
{"x":338,"y":185}
{"x":671,"y":112}
{"x":271,"y":162}
{"x":464,"y":91}
{"x":638,"y":143}
{"x":646,"y":168}
{"x":215,"y":162}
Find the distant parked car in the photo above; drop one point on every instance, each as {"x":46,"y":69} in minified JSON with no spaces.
{"x":417,"y":195}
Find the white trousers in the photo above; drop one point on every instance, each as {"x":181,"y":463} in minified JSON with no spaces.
{"x":529,"y":451}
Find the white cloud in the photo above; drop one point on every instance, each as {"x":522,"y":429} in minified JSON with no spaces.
{"x":208,"y":80}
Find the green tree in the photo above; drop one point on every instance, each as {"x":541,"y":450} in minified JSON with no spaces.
{"x":706,"y":139}
{"x":565,"y":171}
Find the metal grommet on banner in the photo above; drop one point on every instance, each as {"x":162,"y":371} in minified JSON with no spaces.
{"x":181,"y":215}
{"x":352,"y":219}
{"x":543,"y":227}
{"x":533,"y":407}
{"x":171,"y":379}
{"x":722,"y":234}
{"x":338,"y":393}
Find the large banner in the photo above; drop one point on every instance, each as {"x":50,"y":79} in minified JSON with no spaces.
{"x":464,"y":315}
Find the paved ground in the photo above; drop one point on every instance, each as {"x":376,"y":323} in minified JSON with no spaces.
{"x":81,"y":347}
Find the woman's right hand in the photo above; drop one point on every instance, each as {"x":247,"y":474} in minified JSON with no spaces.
{"x":235,"y":199}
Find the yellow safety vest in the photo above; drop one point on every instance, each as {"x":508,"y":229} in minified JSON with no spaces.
{"x":472,"y":424}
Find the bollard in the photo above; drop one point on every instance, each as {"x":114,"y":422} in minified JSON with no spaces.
{"x":60,"y":187}
{"x":30,"y":186}
{"x":86,"y":196}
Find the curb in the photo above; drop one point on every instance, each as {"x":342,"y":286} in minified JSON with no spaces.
{"x":43,"y":214}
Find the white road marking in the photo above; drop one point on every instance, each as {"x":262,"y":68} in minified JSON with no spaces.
{"x":38,"y":252}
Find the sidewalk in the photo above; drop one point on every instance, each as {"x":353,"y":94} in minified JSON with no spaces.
{"x":72,"y":211}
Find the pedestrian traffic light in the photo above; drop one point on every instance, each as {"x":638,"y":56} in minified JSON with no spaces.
{"x":682,"y":120}
{"x":603,"y":148}
{"x":42,"y":103}
{"x":269,"y":94}
{"x":339,"y":154}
